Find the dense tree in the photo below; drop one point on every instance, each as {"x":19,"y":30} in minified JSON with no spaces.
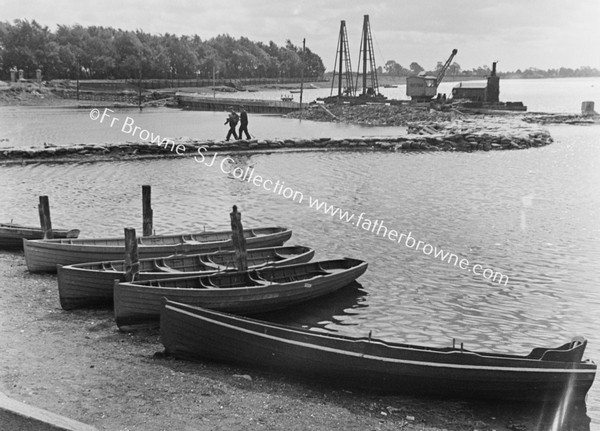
{"x":415,"y":68}
{"x":100,"y":52}
{"x":392,"y":68}
{"x":104,"y":52}
{"x":454,"y":69}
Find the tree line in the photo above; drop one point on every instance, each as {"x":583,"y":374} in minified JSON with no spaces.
{"x":392,"y":68}
{"x":103,"y":53}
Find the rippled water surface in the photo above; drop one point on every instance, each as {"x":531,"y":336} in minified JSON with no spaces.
{"x":532,"y":215}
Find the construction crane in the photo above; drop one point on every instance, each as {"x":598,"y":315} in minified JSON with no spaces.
{"x":422,"y":88}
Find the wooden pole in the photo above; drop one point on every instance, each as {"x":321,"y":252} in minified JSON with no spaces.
{"x":239,"y":241}
{"x":78,"y":68}
{"x":140,"y":89}
{"x":45,"y":220}
{"x":302,"y":76}
{"x":147,"y":224}
{"x":132,"y":264}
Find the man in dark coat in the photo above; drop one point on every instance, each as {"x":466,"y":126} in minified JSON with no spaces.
{"x":243,"y":123}
{"x":232,"y":119}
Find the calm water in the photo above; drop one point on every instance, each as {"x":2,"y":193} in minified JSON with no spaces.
{"x":34,"y":126}
{"x":531,"y":215}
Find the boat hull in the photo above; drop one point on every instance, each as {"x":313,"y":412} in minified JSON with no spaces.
{"x":139,"y":305}
{"x":189,"y":332}
{"x":12,"y":235}
{"x":82,"y":285}
{"x":44,"y":255}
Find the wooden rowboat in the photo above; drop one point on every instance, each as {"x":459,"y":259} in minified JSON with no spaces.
{"x":244,"y":292}
{"x":11,"y":235}
{"x":190,"y":332}
{"x":44,"y":255}
{"x":91,"y":284}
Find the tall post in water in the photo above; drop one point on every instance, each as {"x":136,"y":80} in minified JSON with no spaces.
{"x":45,"y":220}
{"x":147,"y":225}
{"x":132,"y":261}
{"x":239,"y":241}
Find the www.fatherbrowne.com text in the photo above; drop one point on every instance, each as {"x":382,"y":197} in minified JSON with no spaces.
{"x":376,"y":227}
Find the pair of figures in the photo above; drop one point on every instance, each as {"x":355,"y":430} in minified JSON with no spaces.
{"x":233,"y":119}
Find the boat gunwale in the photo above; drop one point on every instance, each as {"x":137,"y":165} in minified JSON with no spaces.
{"x":81,"y":266}
{"x":273,"y":231}
{"x":583,"y":367}
{"x":361,"y":267}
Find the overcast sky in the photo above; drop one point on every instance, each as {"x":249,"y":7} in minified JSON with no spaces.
{"x":517,"y":33}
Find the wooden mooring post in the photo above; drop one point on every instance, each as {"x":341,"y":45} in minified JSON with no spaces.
{"x":147,"y":224}
{"x":239,"y":241}
{"x":132,"y":261}
{"x":587,"y":109}
{"x":45,"y":220}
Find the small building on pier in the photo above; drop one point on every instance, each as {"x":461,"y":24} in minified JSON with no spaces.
{"x":478,"y":91}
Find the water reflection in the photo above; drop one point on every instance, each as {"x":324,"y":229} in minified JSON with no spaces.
{"x":323,"y":314}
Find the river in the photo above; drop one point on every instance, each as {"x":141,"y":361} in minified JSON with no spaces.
{"x":531,"y":215}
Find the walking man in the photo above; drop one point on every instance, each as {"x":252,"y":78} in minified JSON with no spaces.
{"x":243,"y":123}
{"x":232,"y":119}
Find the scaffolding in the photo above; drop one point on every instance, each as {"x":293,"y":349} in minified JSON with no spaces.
{"x":342,"y":59}
{"x":367,"y":55}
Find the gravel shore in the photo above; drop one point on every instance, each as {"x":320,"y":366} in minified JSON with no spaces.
{"x":79,"y":365}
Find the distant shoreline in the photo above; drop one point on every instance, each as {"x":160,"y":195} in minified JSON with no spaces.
{"x":61,"y":92}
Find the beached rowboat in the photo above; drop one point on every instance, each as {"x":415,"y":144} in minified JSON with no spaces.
{"x":244,"y":292}
{"x":44,"y":255}
{"x":189,"y":332}
{"x":11,"y":235}
{"x":91,"y":284}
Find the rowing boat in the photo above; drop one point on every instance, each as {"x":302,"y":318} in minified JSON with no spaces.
{"x":545,"y":374}
{"x":44,"y":255}
{"x":11,"y":235}
{"x":91,"y":284}
{"x":244,"y":292}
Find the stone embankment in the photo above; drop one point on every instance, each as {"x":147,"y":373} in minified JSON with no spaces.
{"x":562,"y":119}
{"x":429,"y":139}
{"x":374,"y":114}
